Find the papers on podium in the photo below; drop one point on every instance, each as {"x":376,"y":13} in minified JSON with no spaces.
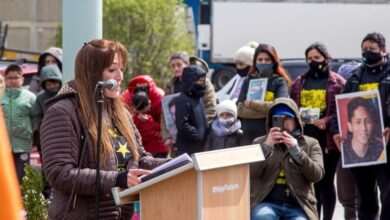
{"x":168,"y":166}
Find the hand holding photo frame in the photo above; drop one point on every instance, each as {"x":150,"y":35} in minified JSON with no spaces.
{"x":361,"y":127}
{"x":169,"y":109}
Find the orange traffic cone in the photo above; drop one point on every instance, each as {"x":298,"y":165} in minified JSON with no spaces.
{"x":10,"y":198}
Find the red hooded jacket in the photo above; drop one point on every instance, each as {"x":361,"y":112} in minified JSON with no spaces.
{"x":150,"y":130}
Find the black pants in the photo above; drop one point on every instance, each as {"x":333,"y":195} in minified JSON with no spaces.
{"x":325,"y":190}
{"x":347,"y":192}
{"x":367,"y":181}
{"x":20,"y":159}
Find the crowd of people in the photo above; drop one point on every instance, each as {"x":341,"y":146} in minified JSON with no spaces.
{"x":296,"y":179}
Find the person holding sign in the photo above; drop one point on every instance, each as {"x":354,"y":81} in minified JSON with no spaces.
{"x":253,"y":113}
{"x":371,"y":75}
{"x":363,"y":144}
{"x":315,"y":91}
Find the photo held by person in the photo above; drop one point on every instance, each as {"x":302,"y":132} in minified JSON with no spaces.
{"x":373,"y":74}
{"x":178,"y":61}
{"x":316,"y":90}
{"x":81,"y":163}
{"x":282,"y":186}
{"x":253,"y":113}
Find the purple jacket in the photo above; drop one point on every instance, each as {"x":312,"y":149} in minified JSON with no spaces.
{"x":334,"y":87}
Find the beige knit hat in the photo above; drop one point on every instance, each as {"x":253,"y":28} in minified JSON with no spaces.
{"x":245,"y":54}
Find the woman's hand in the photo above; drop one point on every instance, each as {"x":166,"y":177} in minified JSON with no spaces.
{"x":337,"y":140}
{"x":320,"y":124}
{"x":133,"y":176}
{"x":386,"y":134}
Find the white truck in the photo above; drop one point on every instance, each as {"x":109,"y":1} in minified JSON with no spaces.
{"x":223,"y":26}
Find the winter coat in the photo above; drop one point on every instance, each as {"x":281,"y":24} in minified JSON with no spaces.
{"x":35,"y":84}
{"x":334,"y":87}
{"x":151,"y":134}
{"x":254,"y":116}
{"x":209,"y":102}
{"x":300,"y":177}
{"x":17,"y":106}
{"x":190,"y":115}
{"x":155,"y":95}
{"x":50,"y":73}
{"x":61,"y":138}
{"x":215,"y":142}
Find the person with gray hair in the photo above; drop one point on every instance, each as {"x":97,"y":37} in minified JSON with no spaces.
{"x":178,"y":61}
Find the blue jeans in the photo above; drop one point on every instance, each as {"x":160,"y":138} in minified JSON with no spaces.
{"x":273,"y":211}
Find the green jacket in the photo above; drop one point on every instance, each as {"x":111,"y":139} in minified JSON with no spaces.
{"x":300,"y":177}
{"x":17,"y":105}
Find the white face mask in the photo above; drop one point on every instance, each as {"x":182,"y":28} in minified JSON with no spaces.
{"x":226,"y":122}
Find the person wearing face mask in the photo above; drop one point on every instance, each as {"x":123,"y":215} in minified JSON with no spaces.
{"x":190,"y":115}
{"x":253,"y":114}
{"x":52,"y":55}
{"x":316,"y":89}
{"x":178,"y":61}
{"x":51,"y":82}
{"x":282,"y":184}
{"x":17,"y":105}
{"x":373,"y":74}
{"x":243,"y":59}
{"x":226,"y":128}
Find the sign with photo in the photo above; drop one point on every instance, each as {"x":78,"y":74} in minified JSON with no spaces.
{"x":257,"y":89}
{"x":309,"y":115}
{"x":361,"y":127}
{"x":169,"y":110}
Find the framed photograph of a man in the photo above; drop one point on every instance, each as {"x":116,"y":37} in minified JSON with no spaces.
{"x":169,"y":109}
{"x":361,"y":127}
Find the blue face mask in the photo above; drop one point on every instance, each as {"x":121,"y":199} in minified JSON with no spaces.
{"x":265,"y":69}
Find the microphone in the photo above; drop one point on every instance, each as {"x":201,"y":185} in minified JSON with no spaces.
{"x":109,"y":84}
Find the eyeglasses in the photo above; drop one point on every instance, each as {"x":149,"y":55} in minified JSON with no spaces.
{"x":13,"y":78}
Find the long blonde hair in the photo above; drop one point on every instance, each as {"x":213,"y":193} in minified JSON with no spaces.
{"x":91,"y":61}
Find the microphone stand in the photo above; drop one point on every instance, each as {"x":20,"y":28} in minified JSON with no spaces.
{"x":100,"y":101}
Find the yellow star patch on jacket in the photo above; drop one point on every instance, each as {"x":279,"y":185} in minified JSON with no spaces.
{"x":123,"y":149}
{"x":313,"y":98}
{"x":269,"y":96}
{"x":368,"y":86}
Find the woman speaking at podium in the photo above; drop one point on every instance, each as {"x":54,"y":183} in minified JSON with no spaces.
{"x":69,"y":135}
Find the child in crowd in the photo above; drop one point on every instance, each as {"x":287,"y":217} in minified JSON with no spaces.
{"x":226,"y":128}
{"x":17,"y":104}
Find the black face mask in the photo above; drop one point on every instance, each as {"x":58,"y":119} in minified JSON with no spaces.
{"x":53,"y":91}
{"x":199,"y":91}
{"x":317,"y":67}
{"x":243,"y":72}
{"x":141,"y":89}
{"x":371,"y":58}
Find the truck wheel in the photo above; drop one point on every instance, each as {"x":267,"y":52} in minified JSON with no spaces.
{"x":222,"y":76}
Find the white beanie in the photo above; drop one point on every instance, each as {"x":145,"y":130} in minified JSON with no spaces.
{"x":245,"y":54}
{"x":228,"y":106}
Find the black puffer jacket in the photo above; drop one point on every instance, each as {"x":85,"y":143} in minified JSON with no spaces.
{"x":191,"y":120}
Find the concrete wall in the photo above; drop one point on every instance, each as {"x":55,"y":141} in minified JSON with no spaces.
{"x":31,"y":23}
